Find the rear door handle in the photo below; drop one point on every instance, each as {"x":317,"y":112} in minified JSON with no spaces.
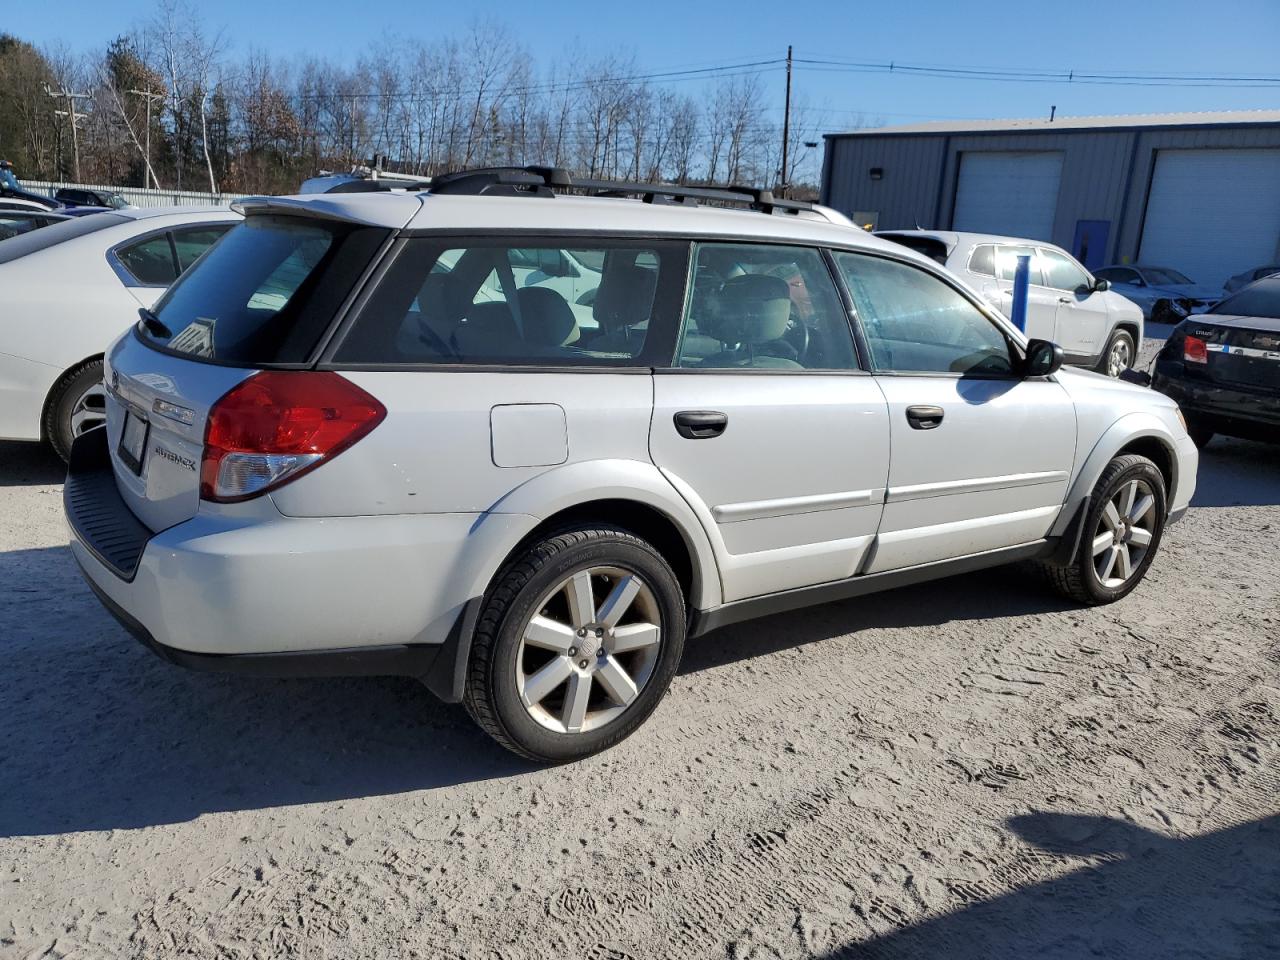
{"x":924,"y":418}
{"x":700,"y":424}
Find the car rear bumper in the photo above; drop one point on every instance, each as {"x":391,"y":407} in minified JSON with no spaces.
{"x":279,"y":596}
{"x":1237,"y":410}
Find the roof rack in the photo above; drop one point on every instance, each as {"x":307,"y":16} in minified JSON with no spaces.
{"x":547,"y":181}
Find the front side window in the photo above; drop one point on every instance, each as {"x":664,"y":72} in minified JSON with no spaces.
{"x":1061,"y":273}
{"x":541,"y":303}
{"x":1007,"y":263}
{"x":916,"y":323}
{"x":754,"y":306}
{"x":1118,"y":275}
{"x":149,"y":261}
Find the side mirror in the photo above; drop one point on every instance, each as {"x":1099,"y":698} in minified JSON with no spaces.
{"x":1043,"y":358}
{"x":1101,"y":285}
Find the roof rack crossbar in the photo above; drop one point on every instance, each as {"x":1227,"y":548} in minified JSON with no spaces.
{"x":546,"y":181}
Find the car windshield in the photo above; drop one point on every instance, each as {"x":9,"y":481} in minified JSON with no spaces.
{"x":1161,"y":275}
{"x":1260,"y":300}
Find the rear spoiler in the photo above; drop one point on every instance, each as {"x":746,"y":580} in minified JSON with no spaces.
{"x":316,"y":207}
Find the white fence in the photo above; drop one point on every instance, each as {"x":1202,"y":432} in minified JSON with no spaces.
{"x":139,"y":197}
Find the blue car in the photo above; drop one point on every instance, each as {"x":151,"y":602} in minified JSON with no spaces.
{"x":1164,"y":294}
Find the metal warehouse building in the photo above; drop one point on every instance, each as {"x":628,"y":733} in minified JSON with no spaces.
{"x":1199,"y":192}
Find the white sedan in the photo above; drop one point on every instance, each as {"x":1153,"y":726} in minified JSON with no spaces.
{"x":66,"y":291}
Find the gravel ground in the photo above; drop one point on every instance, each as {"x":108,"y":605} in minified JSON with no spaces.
{"x":972,"y":770}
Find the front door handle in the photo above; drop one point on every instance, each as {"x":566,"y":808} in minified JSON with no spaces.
{"x":924,"y":418}
{"x":1065,"y":300}
{"x":700,"y":424}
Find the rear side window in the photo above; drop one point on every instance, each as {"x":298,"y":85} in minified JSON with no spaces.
{"x":772,"y":307}
{"x":1007,"y":263}
{"x":267,"y":293}
{"x":150,"y":260}
{"x":607,"y":303}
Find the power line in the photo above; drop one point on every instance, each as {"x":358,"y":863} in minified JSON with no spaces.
{"x":1015,"y":75}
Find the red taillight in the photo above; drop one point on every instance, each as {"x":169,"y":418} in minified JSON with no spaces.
{"x":1195,"y":350}
{"x":277,"y":425}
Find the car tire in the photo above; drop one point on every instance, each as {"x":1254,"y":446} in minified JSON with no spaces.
{"x":77,"y":403}
{"x":1120,"y":354}
{"x":531,"y":688}
{"x":1199,"y":432}
{"x":1104,"y":570}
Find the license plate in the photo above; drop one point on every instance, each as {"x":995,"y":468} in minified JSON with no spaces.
{"x":133,"y":441}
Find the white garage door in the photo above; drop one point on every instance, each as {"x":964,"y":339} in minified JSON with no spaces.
{"x":1213,"y":213}
{"x":1012,"y":193}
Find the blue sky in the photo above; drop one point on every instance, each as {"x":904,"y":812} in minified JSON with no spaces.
{"x":1174,"y":36}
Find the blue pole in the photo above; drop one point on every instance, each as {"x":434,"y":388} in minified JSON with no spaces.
{"x":1021,"y":277}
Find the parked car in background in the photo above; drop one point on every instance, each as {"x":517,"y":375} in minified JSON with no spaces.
{"x":16,"y":222}
{"x":84,"y":197}
{"x":1164,"y":294}
{"x":1096,"y":328}
{"x":1223,"y":367}
{"x":1241,"y":280}
{"x":325,"y":455}
{"x":22,"y":200}
{"x":66,"y":290}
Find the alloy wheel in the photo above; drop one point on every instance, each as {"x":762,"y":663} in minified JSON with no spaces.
{"x":589,"y":649}
{"x":89,"y":410}
{"x":1119,"y":358}
{"x":1124,"y":533}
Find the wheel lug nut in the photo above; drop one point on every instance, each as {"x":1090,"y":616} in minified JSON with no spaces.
{"x":583,"y":664}
{"x":600,"y":652}
{"x":582,"y":632}
{"x":573,"y":651}
{"x":599,"y":633}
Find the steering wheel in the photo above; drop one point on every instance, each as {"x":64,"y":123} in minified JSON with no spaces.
{"x":797,"y":335}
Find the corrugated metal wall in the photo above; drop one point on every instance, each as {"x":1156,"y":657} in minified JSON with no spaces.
{"x":1105,"y":176}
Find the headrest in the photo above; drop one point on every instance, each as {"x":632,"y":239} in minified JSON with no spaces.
{"x":752,"y":308}
{"x":489,"y":331}
{"x":625,"y":296}
{"x":547,"y":317}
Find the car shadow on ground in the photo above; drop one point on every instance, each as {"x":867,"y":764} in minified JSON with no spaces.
{"x":1235,"y":473}
{"x":1213,"y":895}
{"x":29,"y":464}
{"x":96,"y":733}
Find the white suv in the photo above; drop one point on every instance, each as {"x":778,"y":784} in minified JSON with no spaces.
{"x":358,"y":438}
{"x":1096,"y":327}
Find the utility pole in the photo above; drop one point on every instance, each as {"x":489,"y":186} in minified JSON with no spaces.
{"x":786,"y":126}
{"x":75,"y":119}
{"x":148,"y":96}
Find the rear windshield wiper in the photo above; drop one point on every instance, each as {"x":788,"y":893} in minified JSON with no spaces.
{"x":154,"y":323}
